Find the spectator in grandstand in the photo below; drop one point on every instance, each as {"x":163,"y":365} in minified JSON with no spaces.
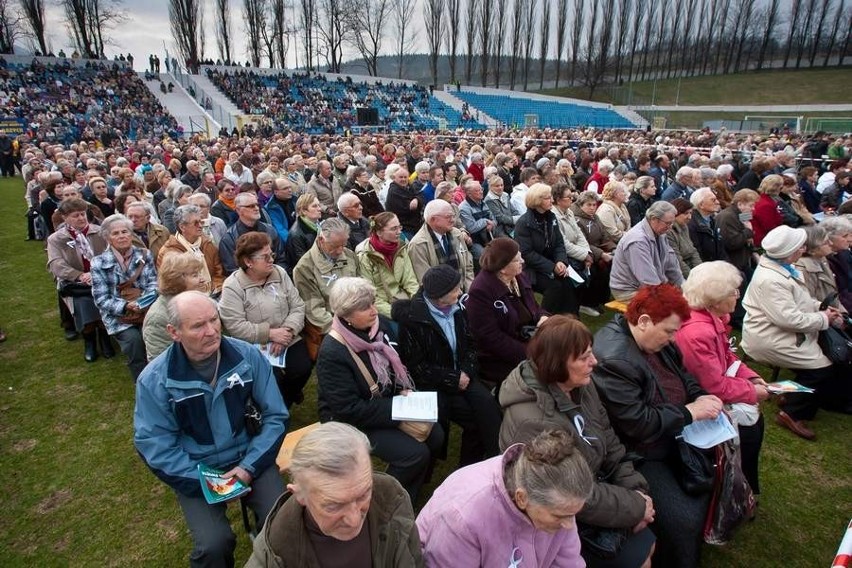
{"x":350,"y":212}
{"x":332,"y":464}
{"x":735,"y":228}
{"x":839,"y":231}
{"x":702,"y":228}
{"x":192,"y":177}
{"x":505,"y":310}
{"x":781,"y":327}
{"x":360,"y":185}
{"x":146,"y":233}
{"x":224,"y":207}
{"x":681,"y":186}
{"x":238,"y":174}
{"x":602,"y":248}
{"x":321,"y":187}
{"x":814,"y":268}
{"x":829,"y":177}
{"x":807,"y":188}
{"x":248,"y":221}
{"x":512,"y":509}
{"x":712,"y":290}
{"x":190,"y":238}
{"x":477,"y":218}
{"x":176,"y":196}
{"x":552,"y":390}
{"x":476,"y":167}
{"x":304,"y":230}
{"x":793,"y":209}
{"x":120,"y":275}
{"x":437,"y":346}
{"x":613,"y":213}
{"x":529,"y":177}
{"x":385,"y":262}
{"x":643,"y":256}
{"x":406,"y":203}
{"x":261,"y":305}
{"x":767,"y":214}
{"x":346,"y":392}
{"x":265,"y":187}
{"x":760,"y":168}
{"x":643,"y":195}
{"x":679,"y":237}
{"x":281,"y":208}
{"x":100,"y":196}
{"x":600,"y":177}
{"x":48,"y":199}
{"x":167,"y":396}
{"x":649,"y":397}
{"x":502,"y":209}
{"x":439,"y":242}
{"x":70,"y":251}
{"x":213,"y":226}
{"x":837,"y":193}
{"x":175,"y":274}
{"x":316,"y":272}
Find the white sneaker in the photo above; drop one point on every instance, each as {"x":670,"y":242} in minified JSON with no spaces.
{"x":589,"y":311}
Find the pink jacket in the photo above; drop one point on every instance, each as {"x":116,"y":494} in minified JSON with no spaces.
{"x":471,"y":521}
{"x":703,"y":340}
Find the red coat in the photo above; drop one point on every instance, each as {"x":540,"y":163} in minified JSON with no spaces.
{"x":477,"y":171}
{"x":596,"y":177}
{"x":703,"y":341}
{"x":765,"y":218}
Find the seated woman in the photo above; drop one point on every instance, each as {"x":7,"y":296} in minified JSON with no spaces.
{"x":303,"y":232}
{"x":384,"y":261}
{"x":649,"y":398}
{"x":70,"y":251}
{"x":814,"y":267}
{"x":190,"y":238}
{"x":781,"y":328}
{"x":120,"y":273}
{"x":260,"y":304}
{"x":552,"y":390}
{"x":177,"y":194}
{"x":177,"y":273}
{"x":543,"y":250}
{"x":679,"y":239}
{"x":839,"y":231}
{"x":766,"y":214}
{"x":225,"y":207}
{"x":613,"y":212}
{"x":358,"y":374}
{"x":436,"y":345}
{"x":712,"y":290}
{"x":512,"y":510}
{"x":502,"y":303}
{"x":504,"y":212}
{"x":602,"y":247}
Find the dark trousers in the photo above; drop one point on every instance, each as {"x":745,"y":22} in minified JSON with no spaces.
{"x":132,"y":345}
{"x":597,"y":292}
{"x":409,"y":461}
{"x":476,"y":410}
{"x":7,"y":165}
{"x":558,"y":295}
{"x":832,"y":390}
{"x":751,"y":440}
{"x":212,"y":538}
{"x":292,"y":379}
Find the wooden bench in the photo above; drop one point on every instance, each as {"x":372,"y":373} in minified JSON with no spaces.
{"x":290,"y":441}
{"x":616,"y":306}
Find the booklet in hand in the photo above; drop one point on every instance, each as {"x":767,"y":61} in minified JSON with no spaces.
{"x":416,"y":406}
{"x":708,"y":433}
{"x":787,"y":386}
{"x":147,"y":299}
{"x":218,"y":489}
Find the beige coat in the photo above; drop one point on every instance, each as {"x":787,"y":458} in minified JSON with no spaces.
{"x":614,"y":218}
{"x":391,"y":285}
{"x":576,"y":244}
{"x":64,"y":261}
{"x":782,"y":320}
{"x":314,"y":274}
{"x":157,"y":237}
{"x":819,"y":279}
{"x":421,"y":249}
{"x":249,"y":309}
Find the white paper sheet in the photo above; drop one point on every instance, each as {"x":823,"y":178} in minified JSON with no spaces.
{"x":275,"y":361}
{"x":708,"y":433}
{"x":417,"y":407}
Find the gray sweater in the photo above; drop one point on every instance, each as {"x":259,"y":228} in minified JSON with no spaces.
{"x":643,"y":258}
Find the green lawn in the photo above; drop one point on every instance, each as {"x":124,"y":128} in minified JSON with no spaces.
{"x":75,"y":492}
{"x":781,"y":87}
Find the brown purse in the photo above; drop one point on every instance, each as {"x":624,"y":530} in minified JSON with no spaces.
{"x":417,"y":430}
{"x":130,"y":293}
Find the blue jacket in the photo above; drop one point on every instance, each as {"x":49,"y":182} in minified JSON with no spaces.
{"x":181,"y":421}
{"x":282,"y":218}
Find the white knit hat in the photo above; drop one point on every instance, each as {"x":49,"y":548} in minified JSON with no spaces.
{"x":783,"y":241}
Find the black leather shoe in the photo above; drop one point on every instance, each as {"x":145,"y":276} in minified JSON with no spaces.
{"x":91,"y":349}
{"x":106,"y":344}
{"x":71,"y":335}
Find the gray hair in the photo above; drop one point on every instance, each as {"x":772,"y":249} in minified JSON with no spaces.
{"x":642,"y":182}
{"x":174,"y":309}
{"x":588,"y":197}
{"x":422,"y":167}
{"x":711,"y":282}
{"x":660,"y":209}
{"x":200,"y":197}
{"x":264,"y":177}
{"x":605,"y":165}
{"x":816,"y":236}
{"x":241,"y":199}
{"x":115,"y":219}
{"x":834,"y":226}
{"x":699,"y":195}
{"x":725,"y":170}
{"x":436,"y":207}
{"x":684,"y":172}
{"x":333,"y":448}
{"x":345,"y":200}
{"x":180,"y":191}
{"x":707,"y":174}
{"x":332,"y":226}
{"x":351,"y":294}
{"x":184,"y":212}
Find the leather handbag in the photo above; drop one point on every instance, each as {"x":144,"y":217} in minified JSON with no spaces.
{"x":605,"y":543}
{"x":130,"y":293}
{"x":696,"y":468}
{"x":835,"y":343}
{"x":417,"y":430}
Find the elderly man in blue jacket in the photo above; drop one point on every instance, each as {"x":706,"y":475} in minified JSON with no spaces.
{"x":191,"y":408}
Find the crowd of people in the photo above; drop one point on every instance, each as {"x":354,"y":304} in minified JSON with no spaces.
{"x":387,"y":265}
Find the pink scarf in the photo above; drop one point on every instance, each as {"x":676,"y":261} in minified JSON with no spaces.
{"x":381,"y":354}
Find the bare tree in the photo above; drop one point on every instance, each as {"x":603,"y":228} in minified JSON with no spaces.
{"x":187,"y":22}
{"x":367,"y":25}
{"x":307,"y":20}
{"x":561,"y":33}
{"x":772,"y":13}
{"x":576,"y":36}
{"x":650,"y":24}
{"x":501,"y":23}
{"x":433,"y":10}
{"x":485,"y":39}
{"x":844,"y":45}
{"x":530,"y":11}
{"x":635,"y":38}
{"x":280,"y":33}
{"x":36,"y":22}
{"x":622,"y":31}
{"x":89,"y":22}
{"x":451,"y":37}
{"x":254,"y":21}
{"x":517,"y":40}
{"x":833,"y":34}
{"x":406,"y":36}
{"x":10,"y":27}
{"x":544,"y":43}
{"x":823,"y":12}
{"x":223,"y":29}
{"x":805,"y":33}
{"x":471,"y":31}
{"x":333,"y":31}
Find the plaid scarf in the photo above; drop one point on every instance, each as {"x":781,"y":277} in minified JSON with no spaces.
{"x":449,"y":257}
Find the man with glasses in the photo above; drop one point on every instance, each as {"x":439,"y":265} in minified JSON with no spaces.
{"x":351,"y":212}
{"x":146,"y":234}
{"x":248,"y":212}
{"x":439,"y":242}
{"x":644,"y":256}
{"x":214,"y":227}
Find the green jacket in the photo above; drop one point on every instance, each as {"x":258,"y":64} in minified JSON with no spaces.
{"x":391,"y":285}
{"x":394,"y":540}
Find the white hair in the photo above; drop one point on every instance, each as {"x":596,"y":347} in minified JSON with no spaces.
{"x":699,"y":195}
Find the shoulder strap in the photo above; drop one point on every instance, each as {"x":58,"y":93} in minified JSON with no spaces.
{"x":374,"y":388}
{"x":130,"y":281}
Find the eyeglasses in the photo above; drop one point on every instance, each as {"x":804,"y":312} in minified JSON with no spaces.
{"x":251,"y":206}
{"x":268,"y":256}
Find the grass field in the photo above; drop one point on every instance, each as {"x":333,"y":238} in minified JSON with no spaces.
{"x":76,"y":494}
{"x":777,"y":87}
